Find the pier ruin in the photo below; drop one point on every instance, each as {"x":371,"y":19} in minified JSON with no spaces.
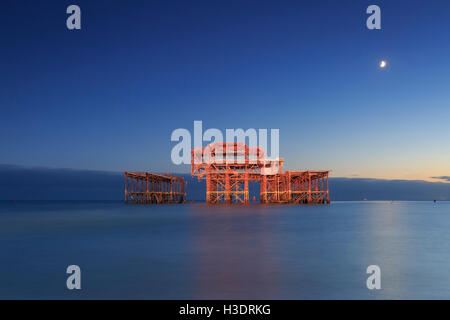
{"x":229,"y":167}
{"x":144,"y":187}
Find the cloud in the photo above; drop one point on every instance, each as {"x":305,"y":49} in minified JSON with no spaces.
{"x":446,"y":178}
{"x":31,"y":183}
{"x":40,"y":183}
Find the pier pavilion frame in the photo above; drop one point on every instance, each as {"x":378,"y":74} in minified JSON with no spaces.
{"x":307,"y":186}
{"x":144,"y":187}
{"x":229,"y":167}
{"x":227,"y":187}
{"x":296,"y":187}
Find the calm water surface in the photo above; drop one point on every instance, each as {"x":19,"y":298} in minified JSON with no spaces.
{"x":195,"y":251}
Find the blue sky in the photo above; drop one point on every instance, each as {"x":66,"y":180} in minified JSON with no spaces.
{"x":108,"y":96}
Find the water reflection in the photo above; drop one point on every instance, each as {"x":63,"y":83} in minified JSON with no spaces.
{"x":234,"y":252}
{"x":219,"y":252}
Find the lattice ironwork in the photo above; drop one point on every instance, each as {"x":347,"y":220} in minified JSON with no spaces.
{"x":144,"y":187}
{"x":228,"y":168}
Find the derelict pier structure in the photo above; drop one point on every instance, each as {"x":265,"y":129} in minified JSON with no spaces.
{"x":144,"y":187}
{"x":229,"y":167}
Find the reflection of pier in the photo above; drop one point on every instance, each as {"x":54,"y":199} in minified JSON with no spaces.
{"x":228,"y":168}
{"x":144,"y":187}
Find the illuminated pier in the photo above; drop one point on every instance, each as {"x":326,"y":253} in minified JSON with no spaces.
{"x":229,"y":167}
{"x":144,"y":187}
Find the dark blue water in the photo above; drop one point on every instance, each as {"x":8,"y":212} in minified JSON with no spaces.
{"x":195,"y":251}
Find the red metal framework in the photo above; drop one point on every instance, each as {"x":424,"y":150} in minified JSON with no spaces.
{"x":308,"y":186}
{"x":296,"y":187}
{"x":228,"y":168}
{"x":144,"y":187}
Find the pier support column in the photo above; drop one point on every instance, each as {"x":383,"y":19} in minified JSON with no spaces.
{"x":227,"y":188}
{"x":126,"y":187}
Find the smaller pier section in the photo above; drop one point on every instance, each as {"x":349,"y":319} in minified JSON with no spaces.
{"x":145,"y":187}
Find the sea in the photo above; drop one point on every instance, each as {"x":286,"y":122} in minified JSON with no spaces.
{"x":200,"y":251}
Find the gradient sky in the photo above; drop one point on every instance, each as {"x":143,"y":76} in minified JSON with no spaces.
{"x":107,"y":97}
